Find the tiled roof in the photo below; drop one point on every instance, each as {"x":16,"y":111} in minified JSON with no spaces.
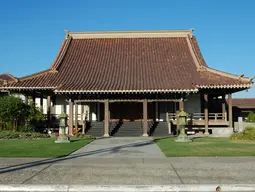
{"x":129,"y":62}
{"x":6,"y":77}
{"x":244,"y":102}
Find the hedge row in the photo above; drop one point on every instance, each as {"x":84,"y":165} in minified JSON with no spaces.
{"x":5,"y":135}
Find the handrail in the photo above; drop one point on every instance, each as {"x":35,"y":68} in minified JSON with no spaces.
{"x":200,"y":116}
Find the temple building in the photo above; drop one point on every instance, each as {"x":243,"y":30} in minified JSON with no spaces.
{"x":132,"y":83}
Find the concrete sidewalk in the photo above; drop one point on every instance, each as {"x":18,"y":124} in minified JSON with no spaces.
{"x":126,"y":188}
{"x":128,"y":171}
{"x":122,"y":147}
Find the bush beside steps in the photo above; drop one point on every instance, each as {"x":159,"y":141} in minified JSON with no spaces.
{"x":248,"y":134}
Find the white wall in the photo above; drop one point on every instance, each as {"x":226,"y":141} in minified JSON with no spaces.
{"x":62,"y":104}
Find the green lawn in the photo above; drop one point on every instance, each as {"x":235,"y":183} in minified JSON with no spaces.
{"x":206,"y":147}
{"x":39,"y":148}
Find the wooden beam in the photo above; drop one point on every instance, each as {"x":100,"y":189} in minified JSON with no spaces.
{"x":163,"y":100}
{"x":125,"y":100}
{"x":76,"y":115}
{"x":145,"y":118}
{"x":106,"y":118}
{"x":206,"y":113}
{"x":230,"y":114}
{"x":70,"y":116}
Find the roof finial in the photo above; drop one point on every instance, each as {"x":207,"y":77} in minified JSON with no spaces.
{"x":67,"y":33}
{"x":240,"y":76}
{"x":251,"y":79}
{"x":191,"y":30}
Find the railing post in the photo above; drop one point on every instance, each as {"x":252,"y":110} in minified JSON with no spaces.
{"x":215,"y":116}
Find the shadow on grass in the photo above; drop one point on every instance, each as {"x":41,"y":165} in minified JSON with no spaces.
{"x":73,"y":156}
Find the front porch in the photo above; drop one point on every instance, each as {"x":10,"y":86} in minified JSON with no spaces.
{"x":145,"y":117}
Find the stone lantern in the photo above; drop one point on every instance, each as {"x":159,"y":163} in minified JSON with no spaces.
{"x":62,"y":138}
{"x":182,"y":122}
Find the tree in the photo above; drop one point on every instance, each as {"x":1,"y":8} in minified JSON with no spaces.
{"x":14,"y":110}
{"x":11,"y":110}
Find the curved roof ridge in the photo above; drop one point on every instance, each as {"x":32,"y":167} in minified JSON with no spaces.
{"x":197,"y":51}
{"x":61,"y":53}
{"x":192,"y":52}
{"x":233,"y":76}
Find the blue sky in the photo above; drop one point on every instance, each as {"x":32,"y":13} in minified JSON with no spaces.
{"x":32,"y":31}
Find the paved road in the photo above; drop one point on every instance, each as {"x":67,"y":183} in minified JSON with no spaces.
{"x":128,"y":171}
{"x":135,"y":163}
{"x":121,"y":147}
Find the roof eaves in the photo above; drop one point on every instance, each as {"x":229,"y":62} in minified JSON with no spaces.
{"x":128,"y":91}
{"x":27,"y":88}
{"x":226,"y":86}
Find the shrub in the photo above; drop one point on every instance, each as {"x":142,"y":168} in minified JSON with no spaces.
{"x":22,"y":135}
{"x":251,"y":117}
{"x":248,"y":134}
{"x":249,"y":130}
{"x":27,"y":128}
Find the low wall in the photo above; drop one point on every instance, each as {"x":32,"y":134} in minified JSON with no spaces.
{"x":240,"y":127}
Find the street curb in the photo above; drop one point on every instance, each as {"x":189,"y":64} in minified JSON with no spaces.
{"x":126,"y":188}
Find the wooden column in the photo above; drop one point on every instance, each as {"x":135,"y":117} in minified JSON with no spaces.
{"x":83,"y":123}
{"x":230,"y":114}
{"x":181,"y":105}
{"x":206,"y":113}
{"x":145,"y":118}
{"x":48,"y":110}
{"x":106,"y":118}
{"x":70,"y":116}
{"x":98,"y":111}
{"x":223,"y":107}
{"x":156,"y":111}
{"x":76,"y":115}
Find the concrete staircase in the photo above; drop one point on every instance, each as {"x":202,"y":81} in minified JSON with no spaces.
{"x":126,"y":129}
{"x":158,"y":129}
{"x":95,"y":128}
